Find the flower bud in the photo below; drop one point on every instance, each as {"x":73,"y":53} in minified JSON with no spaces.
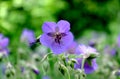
{"x":79,"y":72}
{"x":93,"y":55}
{"x":1,"y":56}
{"x":46,"y":66}
{"x":10,"y":71}
{"x":34,"y":69}
{"x":116,"y":72}
{"x":62,"y":68}
{"x":71,"y":62}
{"x":36,"y":57}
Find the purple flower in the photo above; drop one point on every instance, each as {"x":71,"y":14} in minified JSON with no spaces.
{"x":4,"y":41}
{"x":92,"y":43}
{"x":28,"y":36}
{"x":89,"y":66}
{"x":117,"y":73}
{"x":72,"y":48}
{"x":22,"y":69}
{"x":56,"y":36}
{"x":86,"y":51}
{"x":110,"y":51}
{"x":113,"y":52}
{"x":46,"y":77}
{"x":118,"y":41}
{"x":36,"y":71}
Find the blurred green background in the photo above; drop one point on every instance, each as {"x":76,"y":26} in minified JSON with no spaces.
{"x":84,"y":15}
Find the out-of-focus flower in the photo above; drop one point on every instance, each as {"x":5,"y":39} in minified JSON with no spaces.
{"x":33,"y":67}
{"x":89,"y":66}
{"x":46,"y":77}
{"x":9,"y":70}
{"x":28,"y":36}
{"x":92,"y":43}
{"x":116,"y":72}
{"x":118,"y":41}
{"x":86,"y":51}
{"x":22,"y":69}
{"x":36,"y":71}
{"x":113,"y":52}
{"x":4,"y":41}
{"x":110,"y":51}
{"x":56,"y":36}
{"x":72,"y":48}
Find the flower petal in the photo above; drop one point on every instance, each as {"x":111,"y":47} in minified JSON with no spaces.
{"x":81,"y":49}
{"x":4,"y":51}
{"x":4,"y":42}
{"x":87,"y":67}
{"x":90,"y":69}
{"x":28,"y":36}
{"x":72,"y":48}
{"x":57,"y":48}
{"x":1,"y":36}
{"x":46,"y":40}
{"x":64,"y":26}
{"x":49,"y":27}
{"x":68,"y":39}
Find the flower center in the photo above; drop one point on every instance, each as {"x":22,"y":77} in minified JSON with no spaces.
{"x":57,"y":36}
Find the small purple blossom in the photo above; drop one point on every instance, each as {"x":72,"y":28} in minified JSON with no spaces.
{"x":89,"y":54}
{"x":36,"y":71}
{"x":113,"y":52}
{"x":4,"y":41}
{"x":92,"y":43}
{"x":46,"y":77}
{"x":28,"y":36}
{"x":110,"y":51}
{"x":86,"y":51}
{"x":89,"y":66}
{"x":117,"y":73}
{"x":56,"y":36}
{"x":72,"y":48}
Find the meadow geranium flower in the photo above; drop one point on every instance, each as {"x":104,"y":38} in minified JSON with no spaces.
{"x":89,"y":66}
{"x":4,"y":41}
{"x":56,"y":36}
{"x":28,"y":36}
{"x":86,"y":51}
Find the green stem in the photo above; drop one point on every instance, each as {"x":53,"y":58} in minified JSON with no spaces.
{"x":83,"y":61}
{"x":76,"y":76}
{"x":68,"y":74}
{"x":44,"y":58}
{"x":82,"y":68}
{"x":7,"y":58}
{"x":44,"y":72}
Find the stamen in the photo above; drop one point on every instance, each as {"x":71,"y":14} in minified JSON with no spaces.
{"x":58,"y":37}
